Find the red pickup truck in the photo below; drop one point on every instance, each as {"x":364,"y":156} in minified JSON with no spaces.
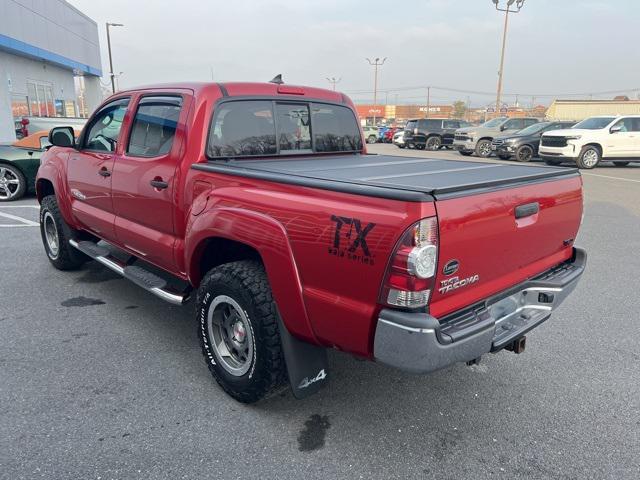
{"x":261,"y":200}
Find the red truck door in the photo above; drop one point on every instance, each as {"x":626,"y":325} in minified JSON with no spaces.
{"x":90,"y":169}
{"x":143,"y":182}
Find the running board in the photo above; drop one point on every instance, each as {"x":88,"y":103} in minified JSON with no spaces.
{"x":138,"y":275}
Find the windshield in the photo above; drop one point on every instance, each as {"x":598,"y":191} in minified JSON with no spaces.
{"x":493,"y":122}
{"x":594,"y":123}
{"x":535,"y":128}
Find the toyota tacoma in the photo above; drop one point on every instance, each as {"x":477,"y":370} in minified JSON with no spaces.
{"x":259,"y":201}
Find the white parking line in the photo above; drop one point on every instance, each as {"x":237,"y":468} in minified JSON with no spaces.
{"x":612,"y":178}
{"x":23,"y":221}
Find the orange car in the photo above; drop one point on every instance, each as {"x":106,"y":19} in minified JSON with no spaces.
{"x":19,"y":164}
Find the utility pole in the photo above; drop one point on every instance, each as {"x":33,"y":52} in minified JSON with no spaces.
{"x":111,"y":74}
{"x":507,"y":11}
{"x":376,"y":63}
{"x":428,"y":101}
{"x":333,"y":81}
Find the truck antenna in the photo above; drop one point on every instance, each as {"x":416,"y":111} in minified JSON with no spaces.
{"x":277,"y":79}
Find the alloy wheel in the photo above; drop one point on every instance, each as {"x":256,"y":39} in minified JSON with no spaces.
{"x":231,"y":335}
{"x":9,"y":184}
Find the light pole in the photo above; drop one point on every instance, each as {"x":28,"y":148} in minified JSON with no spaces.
{"x":507,"y":11}
{"x":376,"y":63}
{"x":113,"y":81}
{"x":333,"y":81}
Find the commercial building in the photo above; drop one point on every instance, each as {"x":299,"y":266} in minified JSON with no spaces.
{"x":45,"y":47}
{"x":580,"y":109}
{"x":401,"y":113}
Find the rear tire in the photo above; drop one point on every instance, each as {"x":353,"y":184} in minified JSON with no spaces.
{"x":434,"y":143}
{"x":524,"y":153}
{"x":13,"y":185}
{"x":483,"y":148}
{"x":372,"y":139}
{"x":56,"y":234}
{"x":620,"y":164}
{"x":238,"y":331}
{"x":589,"y":157}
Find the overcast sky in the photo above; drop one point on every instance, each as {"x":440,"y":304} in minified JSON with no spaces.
{"x":555,"y":47}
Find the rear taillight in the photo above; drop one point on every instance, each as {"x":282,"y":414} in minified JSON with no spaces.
{"x":412,"y":269}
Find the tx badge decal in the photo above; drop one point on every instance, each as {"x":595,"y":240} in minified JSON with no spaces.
{"x":355,"y":247}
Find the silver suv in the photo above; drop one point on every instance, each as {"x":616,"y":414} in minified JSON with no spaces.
{"x":478,"y":139}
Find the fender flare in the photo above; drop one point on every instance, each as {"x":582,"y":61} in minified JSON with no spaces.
{"x":52,"y":171}
{"x":269,"y":238}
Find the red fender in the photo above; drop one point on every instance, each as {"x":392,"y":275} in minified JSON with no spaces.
{"x":53,"y":168}
{"x":269,"y":238}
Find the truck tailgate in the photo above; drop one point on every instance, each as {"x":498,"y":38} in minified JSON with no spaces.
{"x":493,"y":249}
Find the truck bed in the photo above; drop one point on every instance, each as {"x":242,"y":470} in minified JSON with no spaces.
{"x":389,"y":176}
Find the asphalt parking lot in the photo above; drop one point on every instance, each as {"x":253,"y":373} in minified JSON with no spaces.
{"x":101,"y":380}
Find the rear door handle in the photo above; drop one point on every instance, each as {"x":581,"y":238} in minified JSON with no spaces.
{"x":527,"y":210}
{"x":159,"y":184}
{"x":103,"y":172}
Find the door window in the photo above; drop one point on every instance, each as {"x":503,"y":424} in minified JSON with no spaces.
{"x":451,"y":124}
{"x":104,"y":129}
{"x":625,"y":125}
{"x":529,"y":121}
{"x":154,"y":126}
{"x":513,"y":124}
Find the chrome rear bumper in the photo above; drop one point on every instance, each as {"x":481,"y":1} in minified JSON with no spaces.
{"x":420,"y":343}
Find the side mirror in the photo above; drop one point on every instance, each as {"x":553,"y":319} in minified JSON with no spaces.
{"x":62,"y":137}
{"x":615,"y":129}
{"x":503,"y":128}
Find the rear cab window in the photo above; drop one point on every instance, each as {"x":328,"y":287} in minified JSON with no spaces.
{"x":246,"y":128}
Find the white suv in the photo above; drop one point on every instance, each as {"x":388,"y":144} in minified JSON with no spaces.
{"x":613,"y":138}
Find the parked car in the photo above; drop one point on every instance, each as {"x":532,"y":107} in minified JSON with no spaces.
{"x":370,"y":134}
{"x":398,"y":139}
{"x":382,"y":130}
{"x":610,"y":138}
{"x":296,"y":242}
{"x":431,"y":133}
{"x":388,"y":135}
{"x":478,"y":139}
{"x":26,"y":126}
{"x":523,"y":145}
{"x":19,"y":164}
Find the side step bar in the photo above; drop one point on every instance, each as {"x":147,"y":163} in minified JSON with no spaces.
{"x":141,"y":277}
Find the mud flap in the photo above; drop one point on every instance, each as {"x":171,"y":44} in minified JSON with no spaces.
{"x":307,"y":364}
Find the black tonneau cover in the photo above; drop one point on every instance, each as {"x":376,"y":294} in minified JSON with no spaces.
{"x":388,"y":176}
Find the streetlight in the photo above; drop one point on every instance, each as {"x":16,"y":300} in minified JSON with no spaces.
{"x":113,"y":82}
{"x":333,"y":81}
{"x":507,"y":11}
{"x":376,"y":63}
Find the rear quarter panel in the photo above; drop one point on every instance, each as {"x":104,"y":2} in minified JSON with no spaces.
{"x":340,"y":243}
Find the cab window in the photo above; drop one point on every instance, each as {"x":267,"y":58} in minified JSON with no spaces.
{"x":104,"y":130}
{"x":243,"y":128}
{"x":154,"y":126}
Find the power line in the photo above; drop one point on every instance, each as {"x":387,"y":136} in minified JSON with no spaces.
{"x":484,"y":93}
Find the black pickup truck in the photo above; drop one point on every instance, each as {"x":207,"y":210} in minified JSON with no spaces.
{"x":431,"y":133}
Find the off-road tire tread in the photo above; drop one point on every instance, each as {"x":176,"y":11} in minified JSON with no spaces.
{"x":68,"y":257}
{"x":250,"y":276}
